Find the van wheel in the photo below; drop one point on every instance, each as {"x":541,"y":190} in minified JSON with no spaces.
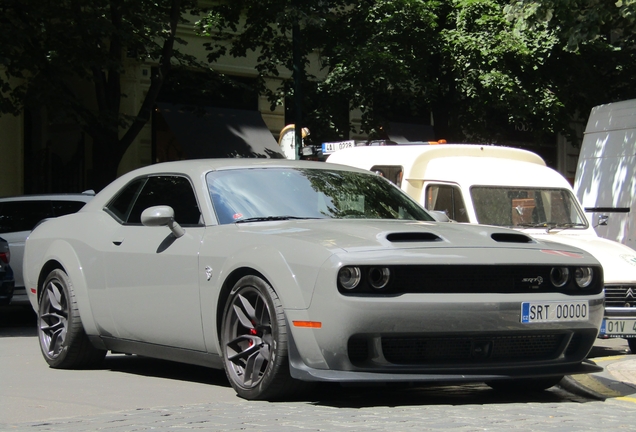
{"x":63,"y":342}
{"x":632,"y":345}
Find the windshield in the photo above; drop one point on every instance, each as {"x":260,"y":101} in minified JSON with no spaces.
{"x":527,"y":207}
{"x":293,"y":193}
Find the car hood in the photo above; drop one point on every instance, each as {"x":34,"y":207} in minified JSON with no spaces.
{"x":371,"y":235}
{"x":618,"y":260}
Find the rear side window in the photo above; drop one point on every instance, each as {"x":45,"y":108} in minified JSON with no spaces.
{"x":61,"y":208}
{"x":24,"y":215}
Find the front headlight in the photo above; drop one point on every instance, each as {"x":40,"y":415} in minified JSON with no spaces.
{"x":349,"y":277}
{"x":583,"y":276}
{"x":559,"y":276}
{"x":379,"y":277}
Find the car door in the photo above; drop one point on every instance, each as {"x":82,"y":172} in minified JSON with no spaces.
{"x":152,"y":276}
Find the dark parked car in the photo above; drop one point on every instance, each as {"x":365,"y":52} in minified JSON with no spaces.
{"x":6,"y":273}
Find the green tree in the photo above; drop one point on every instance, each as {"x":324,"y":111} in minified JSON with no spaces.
{"x":597,"y":57}
{"x":469,"y":62}
{"x":49,"y":50}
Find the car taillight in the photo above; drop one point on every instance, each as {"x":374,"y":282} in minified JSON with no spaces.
{"x":5,"y":257}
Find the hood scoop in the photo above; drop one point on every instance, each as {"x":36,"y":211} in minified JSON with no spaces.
{"x":511,"y":238}
{"x":404,"y":237}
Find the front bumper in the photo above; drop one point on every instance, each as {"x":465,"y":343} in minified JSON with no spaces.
{"x":444,"y":337}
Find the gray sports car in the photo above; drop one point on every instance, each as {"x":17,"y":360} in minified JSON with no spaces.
{"x":291,"y":272}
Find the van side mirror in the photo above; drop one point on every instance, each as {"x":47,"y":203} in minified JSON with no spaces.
{"x":439,"y":216}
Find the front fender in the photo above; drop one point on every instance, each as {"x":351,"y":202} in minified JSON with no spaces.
{"x":292,"y":276}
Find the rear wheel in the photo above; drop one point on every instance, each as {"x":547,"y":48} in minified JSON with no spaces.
{"x":63,"y":342}
{"x":632,"y":345}
{"x":254,"y":342}
{"x":525,"y":384}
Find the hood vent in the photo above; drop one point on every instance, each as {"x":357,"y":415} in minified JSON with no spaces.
{"x":413,"y":237}
{"x":511,"y":238}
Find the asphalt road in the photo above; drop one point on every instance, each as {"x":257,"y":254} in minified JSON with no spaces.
{"x":130,"y":393}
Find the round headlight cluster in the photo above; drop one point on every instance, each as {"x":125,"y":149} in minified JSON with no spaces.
{"x":559,"y":276}
{"x":379,"y":277}
{"x":583,"y":276}
{"x":349,"y":277}
{"x":364,"y":279}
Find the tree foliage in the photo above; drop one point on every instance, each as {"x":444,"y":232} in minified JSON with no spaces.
{"x":50,"y":49}
{"x":482,"y":67}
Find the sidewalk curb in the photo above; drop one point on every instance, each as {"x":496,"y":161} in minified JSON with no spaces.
{"x":601,"y":385}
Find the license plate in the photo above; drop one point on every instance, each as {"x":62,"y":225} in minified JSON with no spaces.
{"x":618,"y":327}
{"x":554,"y":311}
{"x":331,"y":147}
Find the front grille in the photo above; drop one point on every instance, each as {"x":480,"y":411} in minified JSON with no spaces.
{"x":620,"y":295}
{"x":416,"y":350}
{"x":440,"y":351}
{"x":480,"y":279}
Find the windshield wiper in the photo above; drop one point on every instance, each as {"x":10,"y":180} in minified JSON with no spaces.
{"x":551,"y":225}
{"x":273,"y":218}
{"x":565,"y":226}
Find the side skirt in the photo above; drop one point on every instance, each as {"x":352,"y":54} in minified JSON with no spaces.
{"x":181,"y":355}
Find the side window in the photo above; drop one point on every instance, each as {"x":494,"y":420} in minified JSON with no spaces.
{"x":23,"y":215}
{"x":448,"y":199}
{"x":393,"y":173}
{"x":122,"y":204}
{"x":173,"y":191}
{"x":61,"y":208}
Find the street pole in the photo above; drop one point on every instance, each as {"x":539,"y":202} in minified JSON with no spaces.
{"x":297,"y":72}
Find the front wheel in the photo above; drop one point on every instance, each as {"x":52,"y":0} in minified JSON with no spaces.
{"x":254,"y":342}
{"x":63,"y":342}
{"x":525,"y":384}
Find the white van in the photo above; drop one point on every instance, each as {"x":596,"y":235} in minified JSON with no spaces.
{"x":605,"y":181}
{"x":512,"y":188}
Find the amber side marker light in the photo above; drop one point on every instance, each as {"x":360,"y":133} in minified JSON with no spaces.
{"x":309,"y":324}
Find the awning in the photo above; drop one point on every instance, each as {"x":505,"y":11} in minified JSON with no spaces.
{"x":208,"y":132}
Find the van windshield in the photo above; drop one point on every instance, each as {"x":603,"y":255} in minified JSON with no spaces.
{"x":527,"y":207}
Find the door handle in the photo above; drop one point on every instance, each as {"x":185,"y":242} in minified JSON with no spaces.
{"x":118,"y":241}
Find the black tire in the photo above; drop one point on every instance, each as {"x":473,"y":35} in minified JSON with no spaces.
{"x":254,"y":342}
{"x":525,"y":384}
{"x":632,"y":345}
{"x":63,"y":342}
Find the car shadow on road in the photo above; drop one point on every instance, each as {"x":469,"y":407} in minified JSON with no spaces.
{"x":17,"y":321}
{"x":145,"y":366}
{"x":453,"y":394}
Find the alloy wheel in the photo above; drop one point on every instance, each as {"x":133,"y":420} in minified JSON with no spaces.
{"x":248,"y":338}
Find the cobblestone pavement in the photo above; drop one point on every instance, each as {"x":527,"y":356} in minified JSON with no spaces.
{"x":471,"y":407}
{"x":607,"y":402}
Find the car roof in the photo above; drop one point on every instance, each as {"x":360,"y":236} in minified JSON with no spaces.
{"x":466,"y":164}
{"x":197,"y":168}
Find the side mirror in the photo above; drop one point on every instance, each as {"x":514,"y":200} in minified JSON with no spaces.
{"x":439,"y":216}
{"x":162,"y":216}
